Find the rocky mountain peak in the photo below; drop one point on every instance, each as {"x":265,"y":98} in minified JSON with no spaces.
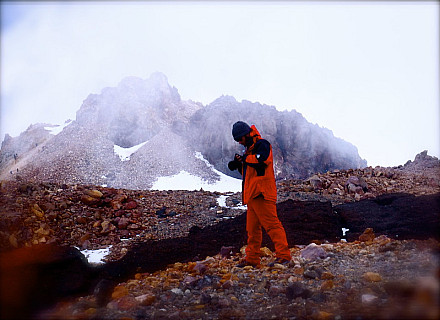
{"x":156,"y":83}
{"x":421,"y":162}
{"x":224,"y":100}
{"x":149,"y":112}
{"x":135,"y":110}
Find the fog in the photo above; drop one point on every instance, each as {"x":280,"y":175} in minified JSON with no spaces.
{"x":368,"y":71}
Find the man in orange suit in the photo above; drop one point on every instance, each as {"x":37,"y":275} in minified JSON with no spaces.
{"x":259,"y":193}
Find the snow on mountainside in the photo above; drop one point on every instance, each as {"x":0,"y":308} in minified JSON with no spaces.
{"x":186,"y":181}
{"x":140,"y":134}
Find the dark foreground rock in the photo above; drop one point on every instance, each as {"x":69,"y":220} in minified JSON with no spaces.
{"x":399,"y":216}
{"x":305,"y":221}
{"x":34,"y":278}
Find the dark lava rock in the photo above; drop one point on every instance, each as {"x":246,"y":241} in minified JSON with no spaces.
{"x":305,"y":221}
{"x":399,"y":216}
{"x":34,"y":278}
{"x":154,"y":255}
{"x":298,"y":290}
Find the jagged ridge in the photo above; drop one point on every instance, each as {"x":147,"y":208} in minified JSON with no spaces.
{"x":151,"y":111}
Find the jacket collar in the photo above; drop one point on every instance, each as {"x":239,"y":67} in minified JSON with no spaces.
{"x":255,"y":136}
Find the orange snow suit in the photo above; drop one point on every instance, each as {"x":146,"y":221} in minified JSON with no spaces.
{"x":260,"y":195}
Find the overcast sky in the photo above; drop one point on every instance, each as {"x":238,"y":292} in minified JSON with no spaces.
{"x":368,"y":71}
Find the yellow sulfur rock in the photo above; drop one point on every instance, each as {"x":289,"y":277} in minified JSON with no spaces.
{"x":372,"y":277}
{"x":36,"y":210}
{"x":327,"y":285}
{"x":90,"y":311}
{"x":227,"y":276}
{"x":131,"y":284}
{"x":13,"y":241}
{"x":322,"y":315}
{"x":119,"y":292}
{"x":42,"y":231}
{"x":146,"y":299}
{"x":191,"y":266}
{"x":94,"y":193}
{"x":327,"y":276}
{"x":178,"y":265}
{"x":138,"y":276}
{"x":266,"y":252}
{"x":298,"y":271}
{"x":88,"y":200}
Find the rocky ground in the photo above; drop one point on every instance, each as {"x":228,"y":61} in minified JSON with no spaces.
{"x":418,"y":177}
{"x":374,"y":277}
{"x":378,"y":279}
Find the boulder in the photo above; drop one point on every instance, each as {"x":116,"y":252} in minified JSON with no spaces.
{"x":315,"y":182}
{"x":33,"y":278}
{"x":356,"y":185}
{"x":313,"y":252}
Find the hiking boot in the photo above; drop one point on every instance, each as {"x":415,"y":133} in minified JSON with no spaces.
{"x":280,"y":261}
{"x":245,"y":263}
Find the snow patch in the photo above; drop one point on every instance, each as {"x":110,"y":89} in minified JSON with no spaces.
{"x":96,"y":256}
{"x":200,"y":157}
{"x":125,"y":153}
{"x":222,"y":203}
{"x":55,"y":129}
{"x":186,"y":181}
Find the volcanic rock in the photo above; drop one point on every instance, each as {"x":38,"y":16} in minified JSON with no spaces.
{"x":32,"y":278}
{"x":401,"y":216}
{"x":368,"y":235}
{"x":313,"y":252}
{"x":309,"y":220}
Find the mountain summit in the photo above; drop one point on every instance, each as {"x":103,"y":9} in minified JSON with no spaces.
{"x":162,"y":136}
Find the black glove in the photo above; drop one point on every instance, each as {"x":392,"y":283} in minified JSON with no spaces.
{"x":233,"y":165}
{"x":236,"y":163}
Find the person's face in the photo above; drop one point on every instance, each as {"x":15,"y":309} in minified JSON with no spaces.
{"x":242,"y":140}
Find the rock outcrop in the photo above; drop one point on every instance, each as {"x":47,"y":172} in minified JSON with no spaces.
{"x":300,"y":148}
{"x":34,"y":278}
{"x":398,"y":216}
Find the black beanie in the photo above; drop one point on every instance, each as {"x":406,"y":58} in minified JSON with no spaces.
{"x":240,"y":129}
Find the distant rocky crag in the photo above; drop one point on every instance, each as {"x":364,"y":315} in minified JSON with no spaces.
{"x":300,"y":148}
{"x":172,"y":130}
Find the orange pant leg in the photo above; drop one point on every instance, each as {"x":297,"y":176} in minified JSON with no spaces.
{"x":264,"y":213}
{"x":255,"y":236}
